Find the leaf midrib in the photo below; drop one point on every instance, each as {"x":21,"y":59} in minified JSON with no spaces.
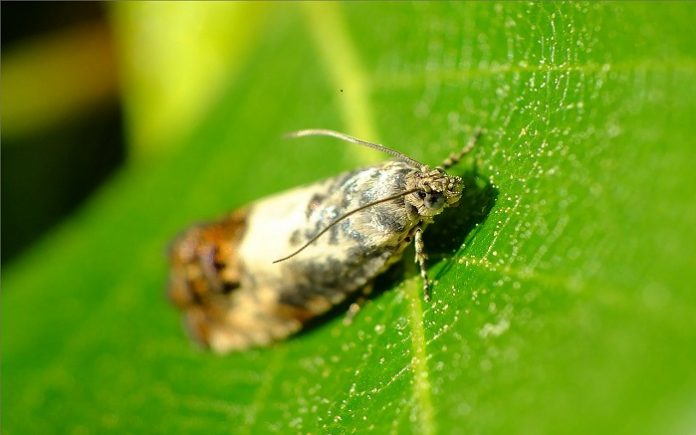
{"x":328,"y":27}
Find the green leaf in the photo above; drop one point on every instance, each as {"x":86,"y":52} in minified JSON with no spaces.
{"x":176,"y":59}
{"x":568,"y":308}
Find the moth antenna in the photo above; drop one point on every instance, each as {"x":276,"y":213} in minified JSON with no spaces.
{"x":355,"y":140}
{"x":363,"y":207}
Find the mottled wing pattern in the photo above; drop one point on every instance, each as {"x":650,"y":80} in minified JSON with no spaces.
{"x":232,"y":293}
{"x":205,"y":269}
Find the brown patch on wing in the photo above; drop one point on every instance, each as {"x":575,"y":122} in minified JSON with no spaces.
{"x":205,"y":268}
{"x":206,"y":284}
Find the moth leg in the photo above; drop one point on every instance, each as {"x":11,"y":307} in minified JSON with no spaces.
{"x":420,"y":259}
{"x":454,"y":158}
{"x":356,"y":306}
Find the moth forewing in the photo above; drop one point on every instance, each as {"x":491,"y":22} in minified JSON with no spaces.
{"x":331,"y":239}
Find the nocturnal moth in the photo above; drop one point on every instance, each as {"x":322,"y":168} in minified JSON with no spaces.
{"x":260,"y":273}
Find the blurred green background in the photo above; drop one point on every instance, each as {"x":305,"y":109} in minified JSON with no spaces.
{"x":61,"y":117}
{"x":568,"y":309}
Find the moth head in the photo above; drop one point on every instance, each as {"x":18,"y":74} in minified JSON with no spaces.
{"x":435,"y":191}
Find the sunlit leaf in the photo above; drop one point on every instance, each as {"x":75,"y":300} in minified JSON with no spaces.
{"x":567,"y":308}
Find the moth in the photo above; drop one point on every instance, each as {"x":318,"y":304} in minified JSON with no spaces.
{"x":260,"y":273}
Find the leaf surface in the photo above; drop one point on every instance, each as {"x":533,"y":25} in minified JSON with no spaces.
{"x":563,"y":300}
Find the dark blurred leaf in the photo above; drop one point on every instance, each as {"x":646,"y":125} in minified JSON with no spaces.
{"x":52,"y":79}
{"x":568,"y":309}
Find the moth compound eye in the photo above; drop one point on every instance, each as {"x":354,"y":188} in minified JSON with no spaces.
{"x":434,"y":201}
{"x":422,"y":194}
